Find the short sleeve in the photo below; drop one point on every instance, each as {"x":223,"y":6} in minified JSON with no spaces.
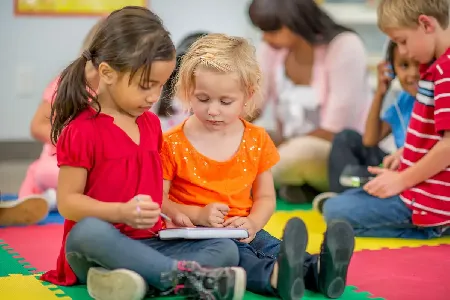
{"x":442,"y":98}
{"x":50,"y":90}
{"x":269,"y":154}
{"x":75,"y":147}
{"x":168,"y":161}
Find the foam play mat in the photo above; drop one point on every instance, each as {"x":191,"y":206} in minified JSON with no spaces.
{"x":393,"y":269}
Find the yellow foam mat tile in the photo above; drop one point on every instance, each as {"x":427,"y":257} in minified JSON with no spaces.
{"x":316,"y":227}
{"x":26,"y":287}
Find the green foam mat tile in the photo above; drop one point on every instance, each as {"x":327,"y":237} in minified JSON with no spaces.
{"x":80,"y":293}
{"x":285,"y":206}
{"x":12,"y":263}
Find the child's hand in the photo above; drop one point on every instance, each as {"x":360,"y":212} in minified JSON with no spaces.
{"x":179,"y":220}
{"x":245,"y":223}
{"x":140,"y":212}
{"x":385,"y":76}
{"x":387,"y":183}
{"x":392,"y":161}
{"x":213,"y":215}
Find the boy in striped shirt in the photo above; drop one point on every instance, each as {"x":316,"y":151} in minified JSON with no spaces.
{"x":415,"y":198}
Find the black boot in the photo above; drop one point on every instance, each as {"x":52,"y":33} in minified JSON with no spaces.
{"x":297,"y":194}
{"x":335,"y":255}
{"x":290,"y":283}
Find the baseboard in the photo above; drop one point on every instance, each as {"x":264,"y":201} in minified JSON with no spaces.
{"x":16,"y":150}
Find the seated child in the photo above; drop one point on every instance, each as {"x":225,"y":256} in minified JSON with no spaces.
{"x":37,"y":193}
{"x":350,"y":148}
{"x":110,"y":185}
{"x":216,"y":169}
{"x":169,"y":109}
{"x":413,"y":201}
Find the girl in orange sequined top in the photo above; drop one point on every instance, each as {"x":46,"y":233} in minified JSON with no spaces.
{"x":217,"y":173}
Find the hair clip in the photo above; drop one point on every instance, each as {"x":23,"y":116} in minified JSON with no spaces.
{"x":207,"y":56}
{"x":87,"y":55}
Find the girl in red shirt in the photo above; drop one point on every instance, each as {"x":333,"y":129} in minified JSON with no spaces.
{"x":110,"y":180}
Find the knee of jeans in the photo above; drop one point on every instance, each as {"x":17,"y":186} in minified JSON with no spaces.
{"x":88,"y":231}
{"x":333,"y":209}
{"x":229,"y":255}
{"x":345,"y":136}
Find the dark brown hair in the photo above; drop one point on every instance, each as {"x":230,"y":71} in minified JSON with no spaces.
{"x":165,"y":103}
{"x":303,"y":17}
{"x":390,"y":54}
{"x":130,"y":39}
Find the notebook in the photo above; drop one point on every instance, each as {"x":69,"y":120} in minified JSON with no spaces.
{"x":200,"y":233}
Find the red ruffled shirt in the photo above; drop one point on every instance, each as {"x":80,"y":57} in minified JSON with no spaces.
{"x":118,"y":170}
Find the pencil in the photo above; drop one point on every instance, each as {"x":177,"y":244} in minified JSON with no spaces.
{"x":164,"y":216}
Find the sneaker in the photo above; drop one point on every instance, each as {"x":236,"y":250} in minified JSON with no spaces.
{"x":336,"y":252}
{"x":26,"y":211}
{"x":297,"y":194}
{"x":290,"y":283}
{"x":193,"y":281}
{"x":120,"y":284}
{"x":320,"y":199}
{"x":50,"y":196}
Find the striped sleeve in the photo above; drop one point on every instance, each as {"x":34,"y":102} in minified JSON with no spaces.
{"x":442,"y":97}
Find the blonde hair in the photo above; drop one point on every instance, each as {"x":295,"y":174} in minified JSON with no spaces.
{"x":405,"y":13}
{"x":224,"y":54}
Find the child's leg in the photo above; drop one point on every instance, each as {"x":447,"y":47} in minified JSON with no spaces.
{"x":93,"y":242}
{"x":348,"y":149}
{"x":276,"y":267}
{"x":46,"y":174}
{"x":334,"y":259}
{"x":25,"y":210}
{"x":374,"y":217}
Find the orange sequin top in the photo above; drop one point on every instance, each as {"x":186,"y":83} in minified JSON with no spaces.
{"x":199,"y":180}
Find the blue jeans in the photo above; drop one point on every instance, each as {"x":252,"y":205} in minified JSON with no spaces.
{"x":259,"y":257}
{"x":374,"y":217}
{"x":93,"y":242}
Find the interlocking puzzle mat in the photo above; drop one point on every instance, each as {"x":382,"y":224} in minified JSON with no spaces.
{"x":16,"y":284}
{"x":403,"y":274}
{"x":384,"y":273}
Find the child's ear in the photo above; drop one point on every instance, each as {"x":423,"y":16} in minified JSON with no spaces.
{"x":427,"y":23}
{"x":250,"y":93}
{"x":106,"y":73}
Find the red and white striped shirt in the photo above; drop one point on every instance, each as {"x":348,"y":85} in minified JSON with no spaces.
{"x":429,"y":200}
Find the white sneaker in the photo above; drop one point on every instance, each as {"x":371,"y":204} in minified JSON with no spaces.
{"x":50,"y":196}
{"x":26,"y":211}
{"x":320,"y":199}
{"x":120,"y":284}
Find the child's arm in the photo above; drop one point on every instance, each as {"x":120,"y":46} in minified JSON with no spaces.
{"x":171,"y":208}
{"x":74,"y":205}
{"x":435,"y":161}
{"x":264,"y":200}
{"x":376,"y":129}
{"x":40,"y":126}
{"x":211,"y":215}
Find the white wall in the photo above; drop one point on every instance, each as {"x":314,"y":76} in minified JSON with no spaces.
{"x":35,"y":49}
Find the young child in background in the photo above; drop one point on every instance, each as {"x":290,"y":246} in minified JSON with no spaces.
{"x":110,"y":185}
{"x":413,"y":201}
{"x":37,"y":193}
{"x":169,"y":109}
{"x":216,"y":169}
{"x":350,"y":148}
